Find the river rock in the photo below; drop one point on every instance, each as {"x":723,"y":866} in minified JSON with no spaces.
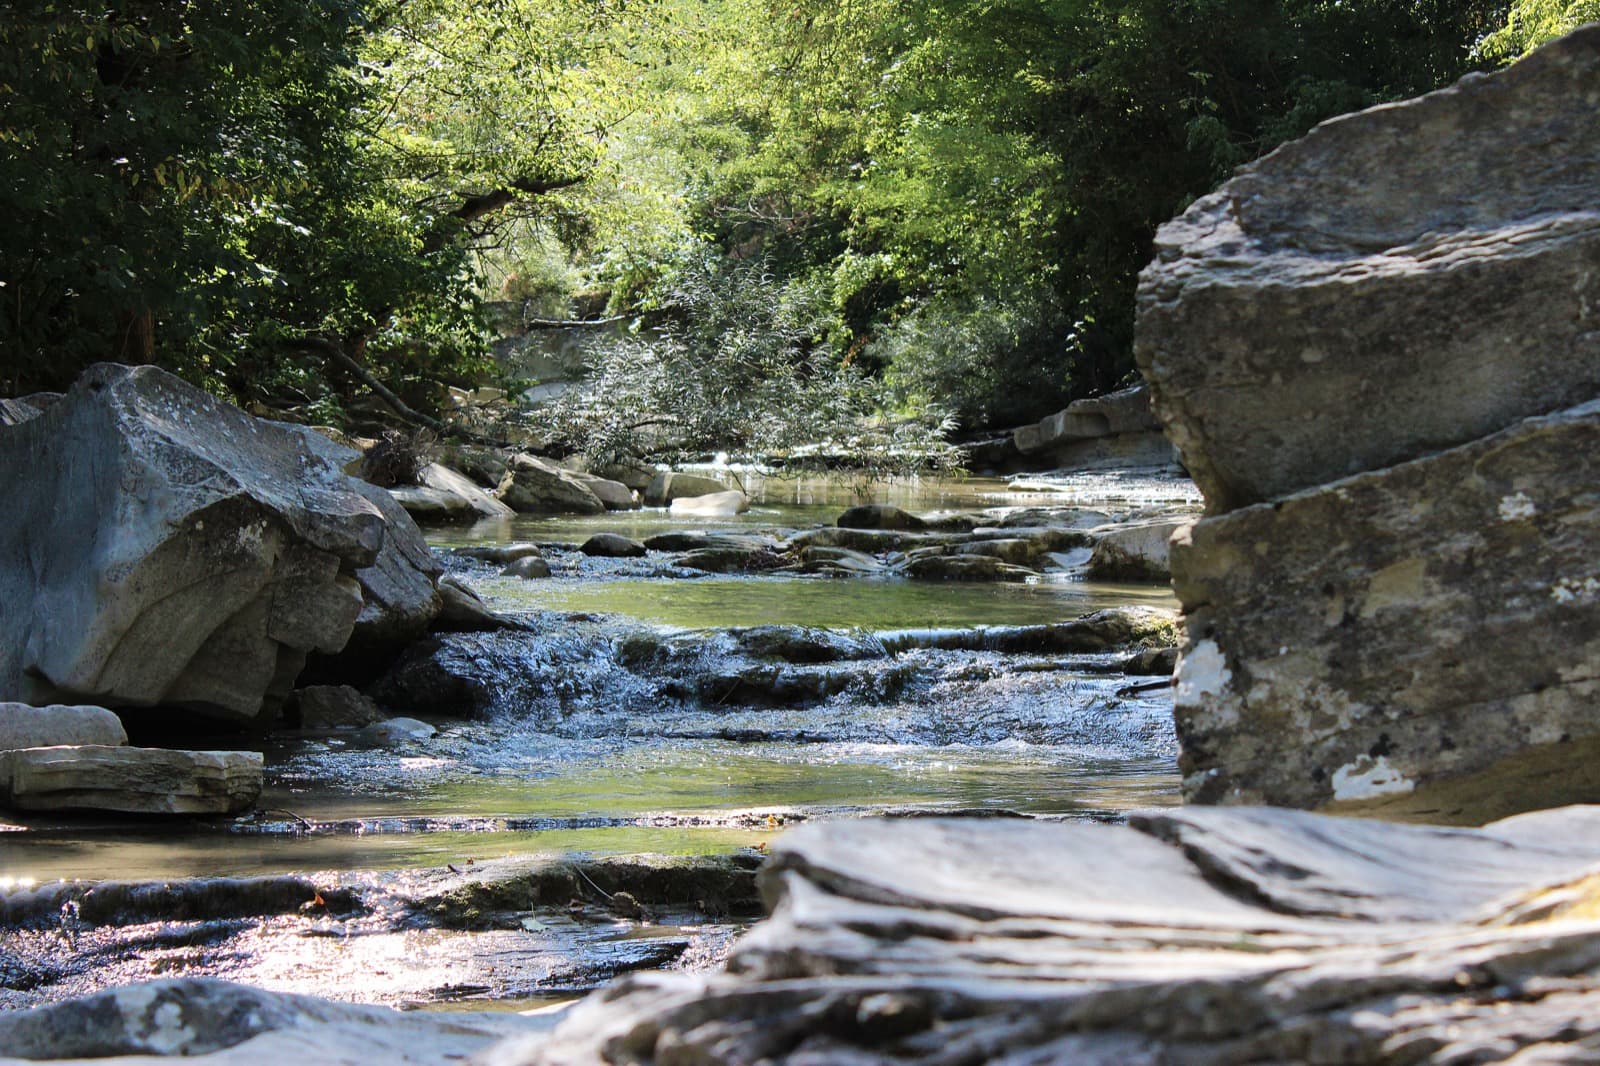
{"x":1399,"y":281}
{"x":399,"y":593}
{"x":335,"y":707}
{"x":131,"y":780}
{"x":965,"y":568}
{"x":235,"y":1025}
{"x":711,"y":505}
{"x":1201,"y":936}
{"x":168,"y":548}
{"x":500,"y":553}
{"x":397,"y":732}
{"x":612,"y":546}
{"x":1354,"y":643}
{"x":1138,"y":551}
{"x":445,"y":495}
{"x":614,"y":494}
{"x":528,"y":567}
{"x":486,"y":466}
{"x":667,"y":486}
{"x":1393,"y":605}
{"x":23,"y":726}
{"x":537,"y":486}
{"x":464,"y":611}
{"x":880,"y":516}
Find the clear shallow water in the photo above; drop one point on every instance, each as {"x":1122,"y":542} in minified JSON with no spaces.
{"x":1045,"y":744}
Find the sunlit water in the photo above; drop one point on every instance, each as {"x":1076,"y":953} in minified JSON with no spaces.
{"x":604,"y":767}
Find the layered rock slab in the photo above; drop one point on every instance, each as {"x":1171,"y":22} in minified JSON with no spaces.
{"x":1428,"y":635}
{"x":1401,"y":280}
{"x":1200,"y":936}
{"x":130,"y":780}
{"x":168,"y":548}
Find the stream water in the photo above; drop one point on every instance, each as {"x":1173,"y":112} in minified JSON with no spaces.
{"x":626,"y":723}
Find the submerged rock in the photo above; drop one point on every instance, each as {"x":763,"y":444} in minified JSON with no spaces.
{"x":131,"y":780}
{"x":966,"y":568}
{"x":1199,"y":936}
{"x":166,"y":548}
{"x":23,"y":726}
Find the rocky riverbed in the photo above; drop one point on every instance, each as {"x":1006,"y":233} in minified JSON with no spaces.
{"x":588,"y":790}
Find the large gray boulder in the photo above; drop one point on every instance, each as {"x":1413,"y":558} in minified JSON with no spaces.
{"x":1206,"y":937}
{"x":399,"y":591}
{"x":1379,"y":350}
{"x":1419,"y":641}
{"x":166,"y":548}
{"x":537,"y":486}
{"x":1399,"y":281}
{"x":668,"y":486}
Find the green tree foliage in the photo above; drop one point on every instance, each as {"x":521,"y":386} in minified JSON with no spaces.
{"x":269,"y":195}
{"x":950,"y":169}
{"x":1533,"y":22}
{"x":155,"y":155}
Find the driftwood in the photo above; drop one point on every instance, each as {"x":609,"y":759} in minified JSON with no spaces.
{"x":1196,"y":936}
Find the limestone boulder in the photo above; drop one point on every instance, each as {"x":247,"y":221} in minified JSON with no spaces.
{"x":614,"y":494}
{"x":724,"y":504}
{"x":399,"y":591}
{"x":667,"y":486}
{"x":1211,"y":937}
{"x":1399,"y":281}
{"x":1420,"y":641}
{"x":22,"y":726}
{"x":167,"y":548}
{"x":446,"y":495}
{"x":536,"y":486}
{"x":1137,"y":551}
{"x":129,"y":780}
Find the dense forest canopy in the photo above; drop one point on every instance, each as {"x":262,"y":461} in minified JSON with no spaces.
{"x":813,"y":214}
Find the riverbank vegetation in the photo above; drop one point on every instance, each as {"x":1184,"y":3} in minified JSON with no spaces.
{"x":865,"y":222}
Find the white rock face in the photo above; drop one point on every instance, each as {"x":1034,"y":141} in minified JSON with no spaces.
{"x":711,"y":505}
{"x":448,"y":496}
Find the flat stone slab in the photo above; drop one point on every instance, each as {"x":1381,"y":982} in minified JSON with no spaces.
{"x":131,"y":780}
{"x":24,"y":726}
{"x":1201,"y":936}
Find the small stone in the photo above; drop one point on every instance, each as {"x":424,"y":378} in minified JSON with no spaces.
{"x":880,"y":516}
{"x":613,"y":546}
{"x":530,"y":566}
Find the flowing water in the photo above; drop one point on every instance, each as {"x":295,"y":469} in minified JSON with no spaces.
{"x":630,"y":721}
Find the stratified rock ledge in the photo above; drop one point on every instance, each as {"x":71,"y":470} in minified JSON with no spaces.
{"x":1198,"y":936}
